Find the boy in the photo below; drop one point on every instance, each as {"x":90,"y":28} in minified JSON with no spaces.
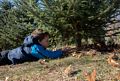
{"x":22,"y":53}
{"x":34,"y":48}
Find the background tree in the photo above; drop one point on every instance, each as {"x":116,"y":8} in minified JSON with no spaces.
{"x":14,"y":25}
{"x":66,"y":20}
{"x":80,"y":19}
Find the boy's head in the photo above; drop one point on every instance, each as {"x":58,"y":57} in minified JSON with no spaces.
{"x":36,"y":32}
{"x":43,"y":39}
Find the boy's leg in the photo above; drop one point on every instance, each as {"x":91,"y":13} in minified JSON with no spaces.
{"x":4,"y":58}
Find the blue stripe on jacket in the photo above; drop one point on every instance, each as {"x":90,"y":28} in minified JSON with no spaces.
{"x":40,"y":52}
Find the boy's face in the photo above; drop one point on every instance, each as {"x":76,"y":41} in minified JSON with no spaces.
{"x":45,"y":42}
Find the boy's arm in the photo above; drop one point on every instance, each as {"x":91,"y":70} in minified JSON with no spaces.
{"x":40,"y":52}
{"x":53,"y":54}
{"x":50,"y":54}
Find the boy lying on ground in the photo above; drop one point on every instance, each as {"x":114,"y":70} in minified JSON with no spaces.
{"x":33,"y":49}
{"x":22,"y":53}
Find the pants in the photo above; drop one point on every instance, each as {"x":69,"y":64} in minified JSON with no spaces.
{"x":4,"y":58}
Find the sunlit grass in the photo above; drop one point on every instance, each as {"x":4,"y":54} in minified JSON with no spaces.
{"x":34,"y":71}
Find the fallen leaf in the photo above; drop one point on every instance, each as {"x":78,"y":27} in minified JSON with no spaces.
{"x":74,"y":54}
{"x":113,"y":63}
{"x":112,"y":60}
{"x":77,"y":55}
{"x":68,"y":70}
{"x":42,"y":62}
{"x":117,"y":76}
{"x":91,"y":52}
{"x":90,"y":76}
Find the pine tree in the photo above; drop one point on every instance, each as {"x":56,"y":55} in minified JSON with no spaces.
{"x":79,"y":19}
{"x":14,"y":26}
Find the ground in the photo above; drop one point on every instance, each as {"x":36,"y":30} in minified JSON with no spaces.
{"x":53,"y":70}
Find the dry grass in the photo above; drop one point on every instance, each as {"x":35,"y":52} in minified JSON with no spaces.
{"x":53,"y":70}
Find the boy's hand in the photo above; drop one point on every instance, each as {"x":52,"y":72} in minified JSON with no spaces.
{"x":66,"y":49}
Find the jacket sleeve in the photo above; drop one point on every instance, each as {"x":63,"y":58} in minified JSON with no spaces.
{"x":53,"y":54}
{"x":47,"y":53}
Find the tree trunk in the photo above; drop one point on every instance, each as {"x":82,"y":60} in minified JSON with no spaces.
{"x":78,"y":40}
{"x":78,"y":36}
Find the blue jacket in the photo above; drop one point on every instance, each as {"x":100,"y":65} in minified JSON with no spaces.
{"x":40,"y":52}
